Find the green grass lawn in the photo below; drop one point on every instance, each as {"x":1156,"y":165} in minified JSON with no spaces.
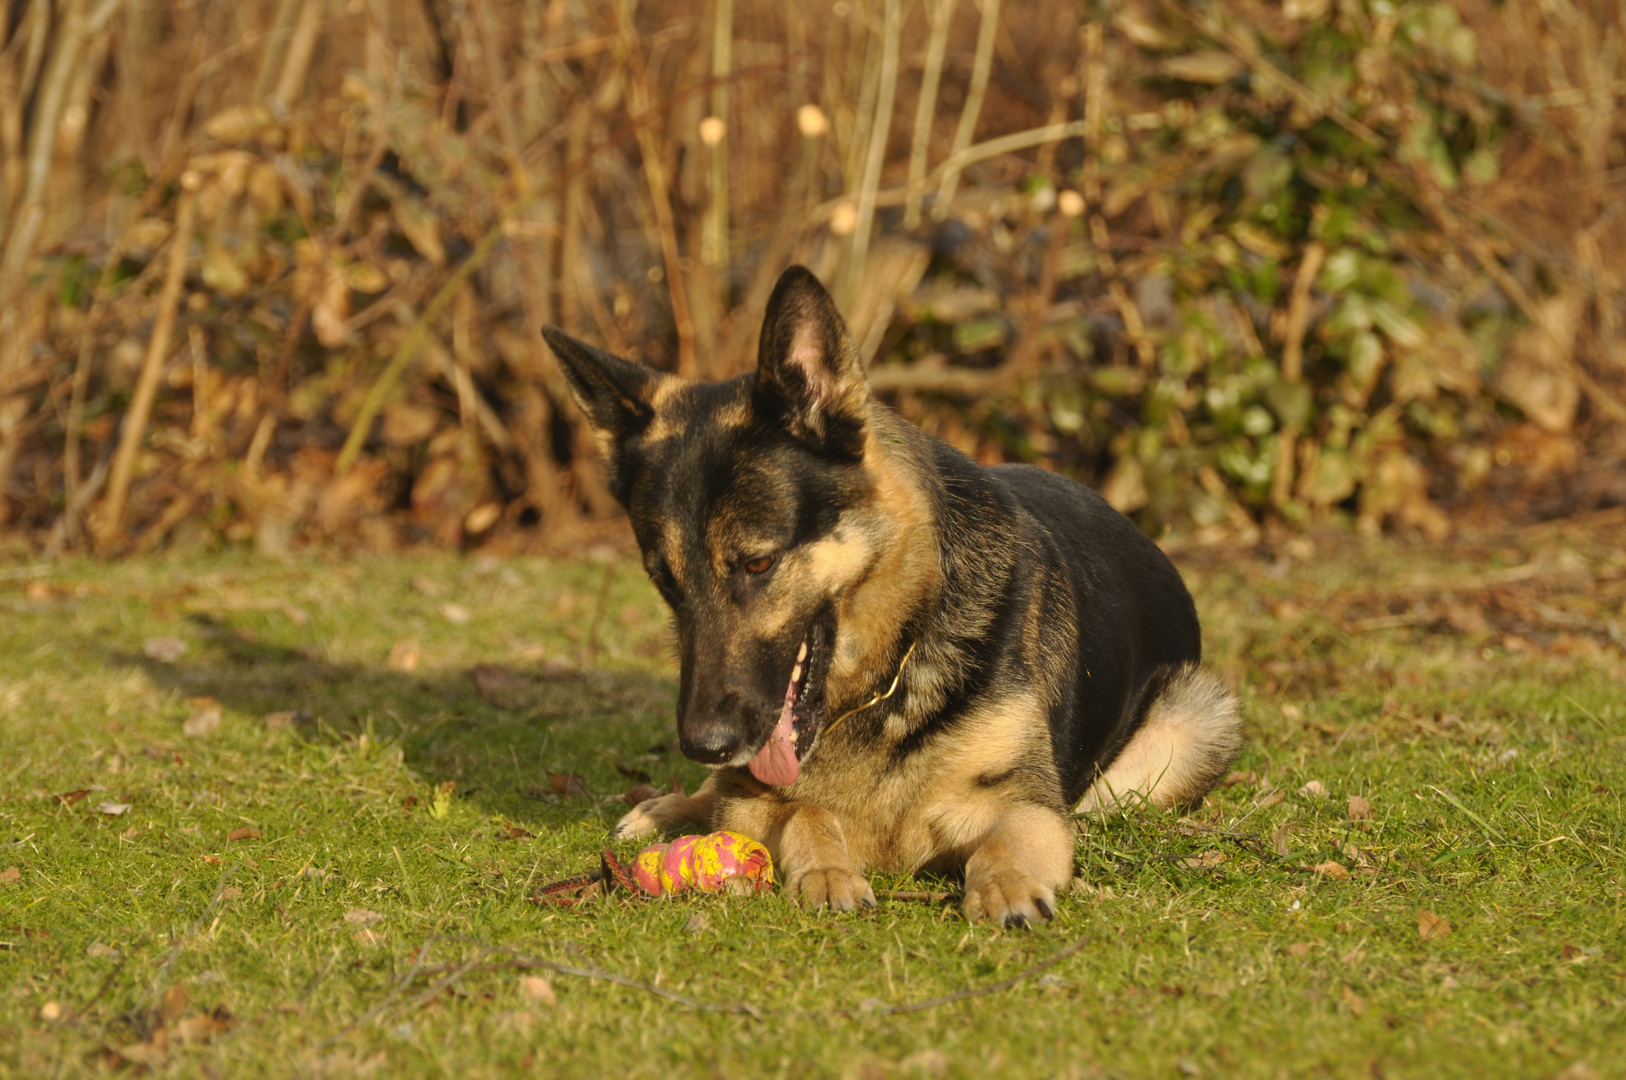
{"x":288,"y":890}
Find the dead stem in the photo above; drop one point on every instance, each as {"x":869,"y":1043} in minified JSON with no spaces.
{"x":973,"y":107}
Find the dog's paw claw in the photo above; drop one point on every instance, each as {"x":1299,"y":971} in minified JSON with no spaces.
{"x":1009,"y":898}
{"x":838,"y":888}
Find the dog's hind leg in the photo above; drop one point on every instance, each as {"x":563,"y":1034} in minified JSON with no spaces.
{"x":1191,"y":732}
{"x":664,"y":811}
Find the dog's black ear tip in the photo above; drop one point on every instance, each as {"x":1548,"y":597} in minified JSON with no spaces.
{"x":799,"y":279}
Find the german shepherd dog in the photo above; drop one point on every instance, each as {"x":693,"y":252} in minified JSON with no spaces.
{"x":895,"y":657}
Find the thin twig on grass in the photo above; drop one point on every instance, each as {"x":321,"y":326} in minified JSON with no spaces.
{"x":923,"y":895}
{"x":501,"y":959}
{"x":737,"y":1008}
{"x":389,"y":999}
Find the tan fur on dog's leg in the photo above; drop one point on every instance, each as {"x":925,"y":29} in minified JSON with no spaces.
{"x":664,"y":811}
{"x":809,"y":849}
{"x":1013,"y":876}
{"x":818,"y":869}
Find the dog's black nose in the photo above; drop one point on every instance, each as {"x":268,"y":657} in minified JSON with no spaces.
{"x":709,"y":741}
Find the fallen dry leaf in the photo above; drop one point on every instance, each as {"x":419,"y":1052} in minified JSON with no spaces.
{"x":10,"y":876}
{"x":1359,"y":809}
{"x":68,"y":798}
{"x":113,"y":809}
{"x":281,"y":721}
{"x":345,"y":1064}
{"x":150,"y":1054}
{"x":1430,"y":925}
{"x":554,"y":667}
{"x":203,"y":1027}
{"x":362,"y":916}
{"x":1576,"y":1070}
{"x":520,"y":1021}
{"x":174,"y":1003}
{"x":456,"y":614}
{"x":404,"y":656}
{"x":212,"y":860}
{"x":1355,"y":1002}
{"x":570,"y":785}
{"x":1271,"y":798}
{"x":98,"y":951}
{"x":1333,"y":870}
{"x":1299,"y":948}
{"x":51,"y":1011}
{"x":166,"y":650}
{"x":1235,"y":777}
{"x":639,"y":792}
{"x":244,"y":833}
{"x":509,"y":831}
{"x":1314,"y":788}
{"x":1206,"y":859}
{"x":536,"y":988}
{"x":493,"y":681}
{"x":230,"y":892}
{"x":928,"y":1062}
{"x":205,"y":721}
{"x":1278,"y":839}
{"x":697,"y":923}
{"x":482,"y":517}
{"x":636,"y":775}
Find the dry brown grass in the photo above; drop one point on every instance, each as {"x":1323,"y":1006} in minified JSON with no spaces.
{"x":380,"y":202}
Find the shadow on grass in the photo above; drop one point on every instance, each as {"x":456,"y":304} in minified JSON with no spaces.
{"x":508,"y":737}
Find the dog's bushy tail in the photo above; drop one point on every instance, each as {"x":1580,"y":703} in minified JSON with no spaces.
{"x":1192,"y":730}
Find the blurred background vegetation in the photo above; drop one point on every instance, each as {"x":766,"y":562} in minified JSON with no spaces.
{"x":272,"y":271}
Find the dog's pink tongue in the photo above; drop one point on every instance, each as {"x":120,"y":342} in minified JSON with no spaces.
{"x":776,"y":762}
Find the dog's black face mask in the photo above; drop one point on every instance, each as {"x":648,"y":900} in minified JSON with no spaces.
{"x":737,"y":492}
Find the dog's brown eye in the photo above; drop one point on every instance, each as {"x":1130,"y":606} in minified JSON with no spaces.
{"x":759,"y":565}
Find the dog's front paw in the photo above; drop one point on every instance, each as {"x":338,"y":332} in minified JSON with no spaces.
{"x":839,"y":887}
{"x":647,"y":818}
{"x":1008,"y":898}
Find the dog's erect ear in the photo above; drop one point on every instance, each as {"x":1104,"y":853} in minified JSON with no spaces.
{"x":617,"y":395}
{"x":809,"y":377}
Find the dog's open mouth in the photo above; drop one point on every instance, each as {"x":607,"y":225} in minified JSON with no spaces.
{"x":780,"y":759}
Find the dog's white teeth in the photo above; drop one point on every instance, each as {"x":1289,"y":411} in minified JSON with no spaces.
{"x":801,"y":654}
{"x":796,"y":674}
